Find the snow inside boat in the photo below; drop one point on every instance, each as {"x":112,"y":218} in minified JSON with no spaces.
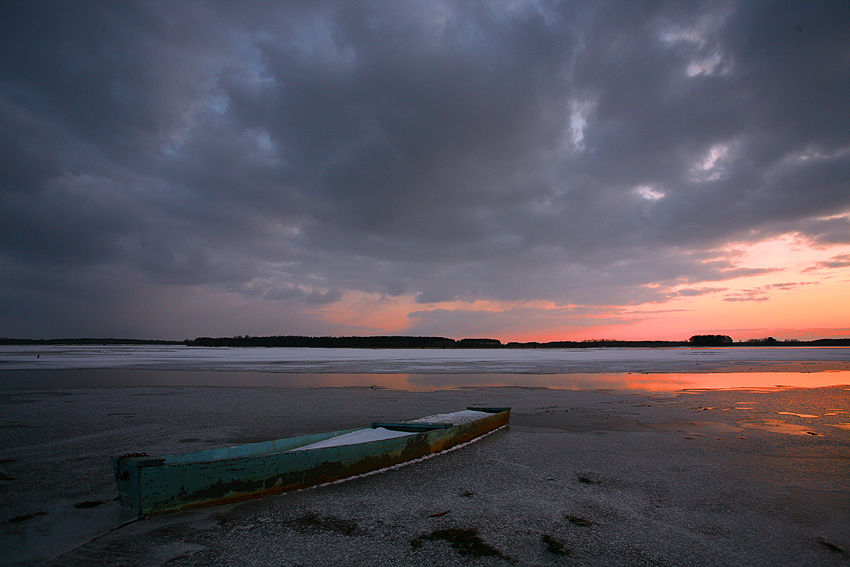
{"x":153,"y":485}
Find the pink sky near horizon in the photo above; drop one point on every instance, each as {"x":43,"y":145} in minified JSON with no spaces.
{"x":800,"y":297}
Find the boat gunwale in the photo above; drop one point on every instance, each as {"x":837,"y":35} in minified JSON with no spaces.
{"x":186,"y":458}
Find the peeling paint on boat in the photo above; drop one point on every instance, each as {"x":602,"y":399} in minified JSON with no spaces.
{"x":154,"y":485}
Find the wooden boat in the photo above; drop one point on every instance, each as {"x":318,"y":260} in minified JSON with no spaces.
{"x":153,"y":485}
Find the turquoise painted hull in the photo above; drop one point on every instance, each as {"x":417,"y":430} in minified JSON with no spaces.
{"x":153,"y":485}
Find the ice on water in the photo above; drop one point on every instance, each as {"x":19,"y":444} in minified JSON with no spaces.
{"x":58,"y":490}
{"x":392,"y":360}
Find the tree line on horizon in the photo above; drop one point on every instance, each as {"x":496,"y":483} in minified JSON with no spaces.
{"x":345,"y":342}
{"x":393,"y":341}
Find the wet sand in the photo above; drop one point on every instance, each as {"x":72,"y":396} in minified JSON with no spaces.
{"x":717,"y":477}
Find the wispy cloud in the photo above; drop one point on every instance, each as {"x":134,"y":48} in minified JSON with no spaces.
{"x":693,"y":292}
{"x":763,"y":293}
{"x":837,"y":261}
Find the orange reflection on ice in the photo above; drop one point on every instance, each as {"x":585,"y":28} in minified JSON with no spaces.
{"x":729,"y":380}
{"x":662,"y":382}
{"x":656,"y":382}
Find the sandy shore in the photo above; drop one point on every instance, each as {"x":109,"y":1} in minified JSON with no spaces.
{"x":733,"y":477}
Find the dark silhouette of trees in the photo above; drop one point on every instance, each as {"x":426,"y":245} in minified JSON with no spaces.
{"x":344,"y":342}
{"x":425,"y":342}
{"x":767,"y":341}
{"x":710,"y":340}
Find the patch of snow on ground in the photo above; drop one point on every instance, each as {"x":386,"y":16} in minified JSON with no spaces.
{"x":355,"y":437}
{"x":456,"y":418}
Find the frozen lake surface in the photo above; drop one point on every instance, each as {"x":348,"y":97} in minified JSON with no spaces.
{"x":618,"y":456}
{"x":349,"y":360}
{"x":720,"y":477}
{"x":423,"y":369}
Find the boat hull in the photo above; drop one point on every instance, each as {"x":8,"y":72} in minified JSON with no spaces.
{"x":151,"y":486}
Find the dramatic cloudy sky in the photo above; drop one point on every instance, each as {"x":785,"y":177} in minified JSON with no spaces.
{"x":519,"y":170}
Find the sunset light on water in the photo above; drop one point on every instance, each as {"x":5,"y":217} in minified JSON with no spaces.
{"x":639,"y":369}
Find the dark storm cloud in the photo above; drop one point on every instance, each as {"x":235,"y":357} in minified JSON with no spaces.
{"x":581,"y":154}
{"x":835,"y":230}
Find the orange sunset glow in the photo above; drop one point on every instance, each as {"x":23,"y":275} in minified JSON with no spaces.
{"x":800,"y":294}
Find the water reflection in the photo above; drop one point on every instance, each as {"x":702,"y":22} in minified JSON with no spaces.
{"x":656,"y":382}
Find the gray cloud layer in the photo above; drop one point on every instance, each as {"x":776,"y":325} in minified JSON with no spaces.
{"x":291,"y":152}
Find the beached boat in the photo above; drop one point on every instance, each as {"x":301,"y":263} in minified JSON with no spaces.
{"x":153,"y":485}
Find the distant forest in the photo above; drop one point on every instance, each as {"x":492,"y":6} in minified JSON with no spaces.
{"x":428,"y":342}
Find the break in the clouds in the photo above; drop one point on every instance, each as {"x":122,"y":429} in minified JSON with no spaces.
{"x":174,"y":169}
